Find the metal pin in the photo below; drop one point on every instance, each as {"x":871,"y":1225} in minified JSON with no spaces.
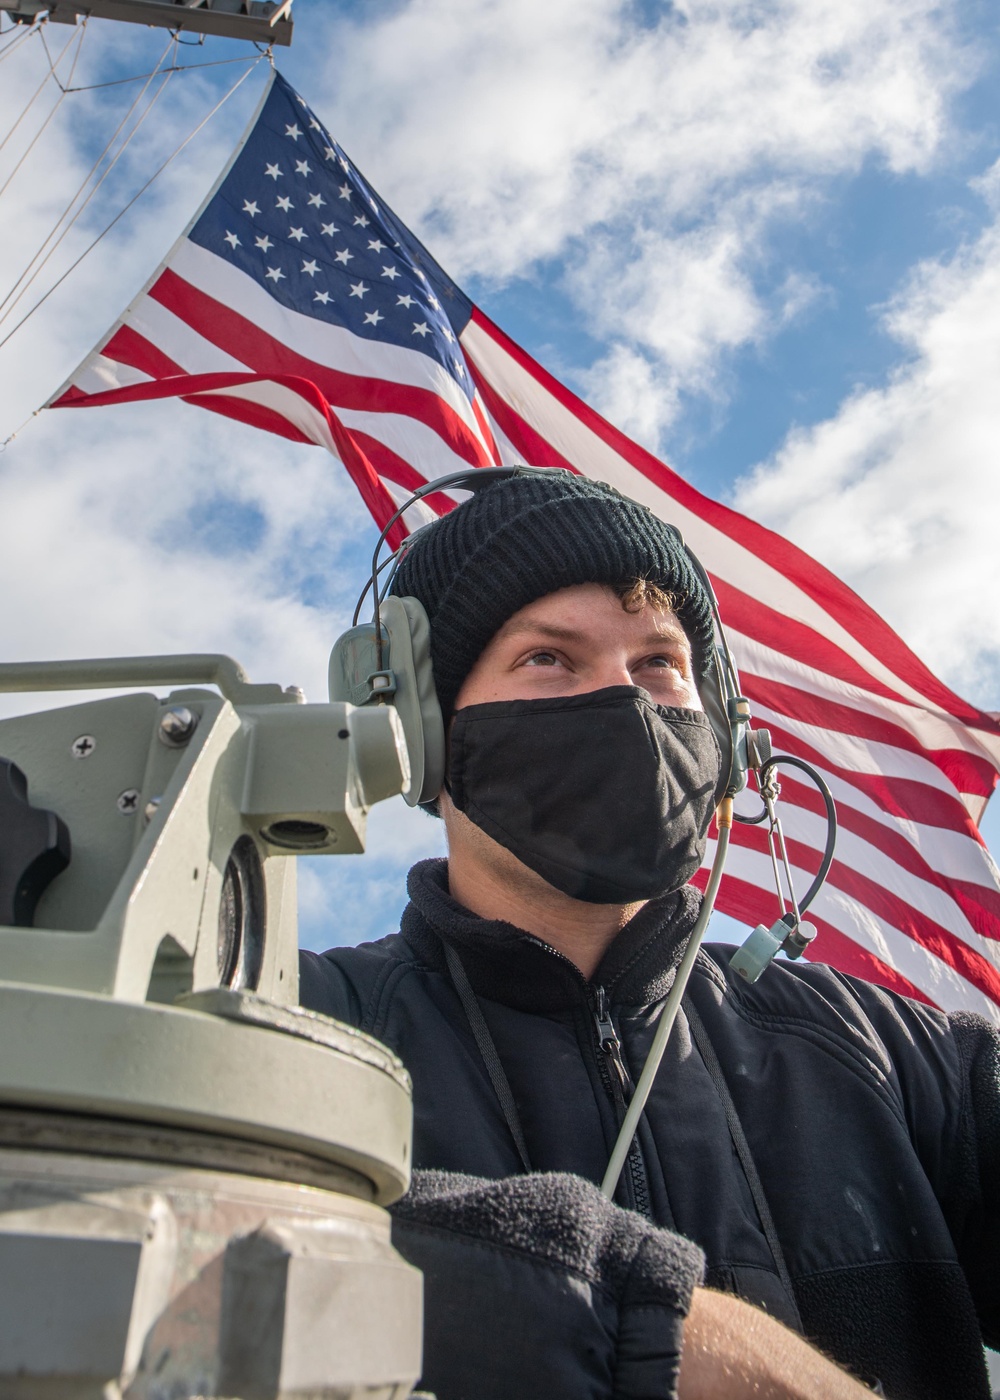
{"x":177,"y":725}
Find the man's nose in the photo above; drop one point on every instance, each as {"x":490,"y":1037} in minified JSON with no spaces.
{"x":612,"y":671}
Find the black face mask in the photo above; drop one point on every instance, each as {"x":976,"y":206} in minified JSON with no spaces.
{"x":606,"y":795}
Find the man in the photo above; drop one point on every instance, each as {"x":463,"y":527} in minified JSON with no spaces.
{"x":831,"y":1148}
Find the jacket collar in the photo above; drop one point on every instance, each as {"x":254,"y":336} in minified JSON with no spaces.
{"x":508,"y":965}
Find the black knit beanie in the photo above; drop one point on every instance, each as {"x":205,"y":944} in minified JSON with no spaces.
{"x":518,"y":539}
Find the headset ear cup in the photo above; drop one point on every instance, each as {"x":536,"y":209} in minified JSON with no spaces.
{"x":714,"y":691}
{"x":416,"y":702}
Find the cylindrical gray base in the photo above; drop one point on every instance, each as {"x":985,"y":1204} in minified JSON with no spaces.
{"x":155,"y":1281}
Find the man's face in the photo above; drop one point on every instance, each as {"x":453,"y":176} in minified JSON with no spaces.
{"x":580,"y":639}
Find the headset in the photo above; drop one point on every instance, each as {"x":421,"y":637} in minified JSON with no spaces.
{"x":388,"y":660}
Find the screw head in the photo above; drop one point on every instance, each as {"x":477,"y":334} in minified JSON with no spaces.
{"x":128,"y":802}
{"x":177,"y":725}
{"x":83,"y":746}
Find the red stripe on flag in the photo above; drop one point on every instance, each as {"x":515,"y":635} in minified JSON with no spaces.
{"x":749,"y":616}
{"x":486,"y":430}
{"x":263,"y":354}
{"x":255,"y":415}
{"x":396,"y":469}
{"x":966,"y":772}
{"x":128,"y":347}
{"x":905,"y":798}
{"x":531,"y":445}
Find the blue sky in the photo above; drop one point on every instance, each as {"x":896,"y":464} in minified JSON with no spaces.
{"x":762,"y":237}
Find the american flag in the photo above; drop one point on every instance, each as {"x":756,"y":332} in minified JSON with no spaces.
{"x":298,"y":302}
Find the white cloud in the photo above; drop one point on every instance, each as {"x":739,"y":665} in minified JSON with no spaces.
{"x":898,"y":491}
{"x":574,"y":113}
{"x":685,"y":301}
{"x":347,"y":899}
{"x":655,"y":159}
{"x":172,"y":529}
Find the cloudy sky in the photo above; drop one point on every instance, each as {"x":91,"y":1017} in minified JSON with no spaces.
{"x":762,"y":237}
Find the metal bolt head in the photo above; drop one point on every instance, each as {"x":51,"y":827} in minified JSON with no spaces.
{"x":83,"y":746}
{"x":151,"y":808}
{"x":128,"y":802}
{"x":177,"y":725}
{"x":297,"y":693}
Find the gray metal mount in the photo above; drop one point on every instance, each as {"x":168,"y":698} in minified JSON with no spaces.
{"x":193,"y":1169}
{"x":264,"y":21}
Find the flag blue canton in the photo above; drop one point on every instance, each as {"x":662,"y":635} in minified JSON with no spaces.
{"x":295,"y":215}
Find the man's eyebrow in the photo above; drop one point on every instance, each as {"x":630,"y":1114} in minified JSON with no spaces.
{"x":672,"y":633}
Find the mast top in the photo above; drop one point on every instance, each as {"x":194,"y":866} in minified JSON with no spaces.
{"x":264,"y":21}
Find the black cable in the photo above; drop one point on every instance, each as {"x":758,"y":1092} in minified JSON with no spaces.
{"x":831,"y":820}
{"x":488,"y":1050}
{"x":364,"y":593}
{"x":707,"y":1051}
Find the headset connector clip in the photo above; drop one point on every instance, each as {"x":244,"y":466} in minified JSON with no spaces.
{"x":788,"y":934}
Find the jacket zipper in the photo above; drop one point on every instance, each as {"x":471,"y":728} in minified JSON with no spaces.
{"x":619,"y":1081}
{"x":614,"y":1076}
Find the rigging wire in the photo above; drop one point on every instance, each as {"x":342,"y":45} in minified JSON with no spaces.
{"x":11,"y":436}
{"x":176,"y":68}
{"x":138,"y":195}
{"x":21,"y":32}
{"x":31,"y":100}
{"x":52,"y":111}
{"x":21,"y":285}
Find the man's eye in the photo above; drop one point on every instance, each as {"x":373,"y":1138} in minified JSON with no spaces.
{"x":665,"y":662}
{"x":542,"y":658}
